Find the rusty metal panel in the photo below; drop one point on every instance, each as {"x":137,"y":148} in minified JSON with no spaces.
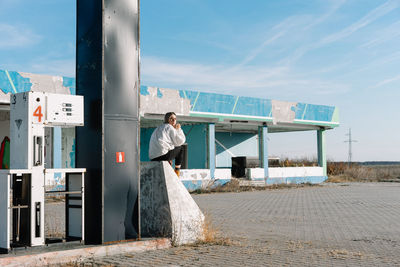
{"x":108,"y":77}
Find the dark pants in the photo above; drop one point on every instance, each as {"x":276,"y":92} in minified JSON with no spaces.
{"x":175,"y":154}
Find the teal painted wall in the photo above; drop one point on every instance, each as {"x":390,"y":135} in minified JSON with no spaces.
{"x":196,"y":138}
{"x":238,"y":144}
{"x":145,"y":134}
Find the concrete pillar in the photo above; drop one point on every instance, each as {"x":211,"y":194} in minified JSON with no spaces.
{"x":263,"y":148}
{"x":321,"y":150}
{"x":211,"y":149}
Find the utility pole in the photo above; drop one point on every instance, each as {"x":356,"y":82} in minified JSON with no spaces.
{"x":350,"y":141}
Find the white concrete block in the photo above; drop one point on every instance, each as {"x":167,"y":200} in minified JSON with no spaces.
{"x":204,"y":174}
{"x":167,"y":208}
{"x":187,"y":218}
{"x":278,"y":172}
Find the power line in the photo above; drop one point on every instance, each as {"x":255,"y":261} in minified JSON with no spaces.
{"x":350,"y":141}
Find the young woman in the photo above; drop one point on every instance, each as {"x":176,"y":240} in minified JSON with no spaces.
{"x":166,"y":142}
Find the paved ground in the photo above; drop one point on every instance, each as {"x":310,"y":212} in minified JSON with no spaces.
{"x":332,"y":225}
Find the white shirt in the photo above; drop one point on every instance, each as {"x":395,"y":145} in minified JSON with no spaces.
{"x":165,"y":138}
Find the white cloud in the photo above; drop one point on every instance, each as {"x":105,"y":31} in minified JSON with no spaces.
{"x":336,"y":5}
{"x":383,"y":35}
{"x":244,"y":80}
{"x":5,"y":4}
{"x":58,"y":67}
{"x":369,"y":18}
{"x":386,"y":81}
{"x":379,"y":62}
{"x":277,"y":32}
{"x":255,"y":52}
{"x":291,"y":24}
{"x":372,"y":16}
{"x":15,"y":37}
{"x":47,"y":66}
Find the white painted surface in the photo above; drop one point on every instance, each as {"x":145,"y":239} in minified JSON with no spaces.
{"x":68,"y":147}
{"x":37,"y":195}
{"x":186,"y":217}
{"x":223,"y":173}
{"x":162,"y":100}
{"x":285,"y":172}
{"x":66,"y":170}
{"x":64,"y":110}
{"x":46,"y":83}
{"x":204,"y":174}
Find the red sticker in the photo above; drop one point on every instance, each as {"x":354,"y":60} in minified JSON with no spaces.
{"x":120,"y":157}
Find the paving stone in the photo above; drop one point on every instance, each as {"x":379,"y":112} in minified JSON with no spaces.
{"x":356,"y":224}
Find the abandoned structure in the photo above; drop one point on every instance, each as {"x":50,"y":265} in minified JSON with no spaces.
{"x":217,"y":127}
{"x":222,"y":131}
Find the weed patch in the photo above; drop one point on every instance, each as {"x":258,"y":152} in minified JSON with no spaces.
{"x":212,"y":235}
{"x":341,"y":172}
{"x":239,"y":185}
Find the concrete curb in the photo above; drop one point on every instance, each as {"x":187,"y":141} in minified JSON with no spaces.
{"x":82,"y":254}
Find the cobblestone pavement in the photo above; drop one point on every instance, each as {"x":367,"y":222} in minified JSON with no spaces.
{"x":330,"y":225}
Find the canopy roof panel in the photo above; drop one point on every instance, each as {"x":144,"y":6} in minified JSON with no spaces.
{"x":234,"y":112}
{"x":228,"y":112}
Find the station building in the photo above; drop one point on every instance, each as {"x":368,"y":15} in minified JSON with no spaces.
{"x":221,"y":130}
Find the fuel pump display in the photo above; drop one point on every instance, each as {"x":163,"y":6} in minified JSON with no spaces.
{"x":22,"y":187}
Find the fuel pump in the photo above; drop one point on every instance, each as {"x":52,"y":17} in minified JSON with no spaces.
{"x":22,"y":187}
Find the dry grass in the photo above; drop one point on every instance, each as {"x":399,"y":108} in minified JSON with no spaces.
{"x":341,"y":172}
{"x":235,"y":186}
{"x":50,"y":198}
{"x":298,"y":162}
{"x":84,"y":264}
{"x":212,"y":235}
{"x":344,"y":254}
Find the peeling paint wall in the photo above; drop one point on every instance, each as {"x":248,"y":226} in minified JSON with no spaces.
{"x":283,"y":111}
{"x":68,"y":148}
{"x":45,"y":83}
{"x":16,"y":82}
{"x":161,"y":100}
{"x":184,"y":102}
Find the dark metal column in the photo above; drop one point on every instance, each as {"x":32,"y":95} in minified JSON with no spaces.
{"x":108,"y":78}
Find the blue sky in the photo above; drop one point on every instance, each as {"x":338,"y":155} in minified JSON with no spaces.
{"x":339,"y":52}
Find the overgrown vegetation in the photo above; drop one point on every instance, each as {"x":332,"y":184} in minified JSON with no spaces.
{"x":212,"y":235}
{"x":341,"y":172}
{"x":297,"y":162}
{"x":240,"y":185}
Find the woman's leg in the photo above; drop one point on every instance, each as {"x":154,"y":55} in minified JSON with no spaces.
{"x":175,"y":154}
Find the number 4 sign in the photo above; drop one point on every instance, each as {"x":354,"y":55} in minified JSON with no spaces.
{"x":38,"y":113}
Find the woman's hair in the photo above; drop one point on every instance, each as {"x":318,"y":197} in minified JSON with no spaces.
{"x":167,"y":115}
